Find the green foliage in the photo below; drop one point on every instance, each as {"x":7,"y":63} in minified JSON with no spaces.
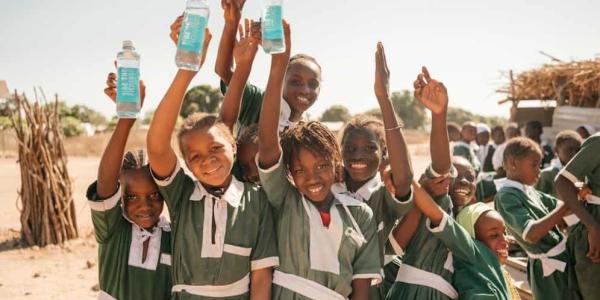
{"x":336,"y":113}
{"x":87,"y":115}
{"x":71,"y":126}
{"x":409,"y":109}
{"x":459,"y":116}
{"x":202,"y":98}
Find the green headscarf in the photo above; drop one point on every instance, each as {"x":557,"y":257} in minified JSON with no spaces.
{"x":469,"y":215}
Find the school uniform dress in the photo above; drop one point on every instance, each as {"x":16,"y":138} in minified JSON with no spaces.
{"x":520,"y":205}
{"x":548,"y":154}
{"x":546,"y":182}
{"x":123,"y":274}
{"x":217,"y":241}
{"x":427,"y":265}
{"x":477,"y":270}
{"x":318,"y":261}
{"x":584,"y":167}
{"x":486,"y":186}
{"x":463,"y":149}
{"x":387,"y":209}
{"x":485,"y":155}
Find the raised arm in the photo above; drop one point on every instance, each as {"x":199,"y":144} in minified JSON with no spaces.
{"x":399,"y":157}
{"x":160,"y":153}
{"x":112,"y":157}
{"x":232,"y":13}
{"x":434,"y":96}
{"x":244,"y":53}
{"x":269,"y":149}
{"x":427,"y":206}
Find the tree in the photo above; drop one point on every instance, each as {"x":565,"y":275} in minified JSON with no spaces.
{"x":87,"y":115}
{"x":71,"y":126}
{"x":202,"y":98}
{"x":336,"y":113}
{"x":409,"y":109}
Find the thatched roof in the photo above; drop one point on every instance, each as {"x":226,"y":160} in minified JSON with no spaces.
{"x":574,"y":83}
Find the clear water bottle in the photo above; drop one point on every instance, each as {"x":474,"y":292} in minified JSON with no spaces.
{"x":191,"y":35}
{"x":273,"y":40}
{"x":128,"y":82}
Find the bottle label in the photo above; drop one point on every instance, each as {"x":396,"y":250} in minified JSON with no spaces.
{"x":271,"y":23}
{"x":128,"y":84}
{"x":191,"y":35}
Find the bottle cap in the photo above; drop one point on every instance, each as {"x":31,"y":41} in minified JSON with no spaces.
{"x":127,"y":44}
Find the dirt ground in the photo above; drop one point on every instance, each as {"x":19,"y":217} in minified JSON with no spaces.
{"x":69,"y":271}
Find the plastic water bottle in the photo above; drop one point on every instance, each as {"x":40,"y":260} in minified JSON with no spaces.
{"x":191,"y":35}
{"x":128,"y":82}
{"x":273,"y":40}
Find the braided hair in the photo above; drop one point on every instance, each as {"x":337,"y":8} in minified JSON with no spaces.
{"x":304,"y":57}
{"x":135,"y":160}
{"x":199,"y":120}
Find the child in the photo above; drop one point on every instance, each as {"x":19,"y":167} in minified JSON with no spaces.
{"x":453,"y":132}
{"x":498,"y":136}
{"x":135,"y":242}
{"x":463,"y":148}
{"x":223,"y":235}
{"x":533,"y":219}
{"x":302,"y":81}
{"x":486,"y":150}
{"x":365,"y":142}
{"x":584,"y":239}
{"x":426,"y":270}
{"x":566,"y":145}
{"x":479,"y":246}
{"x":327,"y":242}
{"x":512,"y":131}
{"x":534,"y":130}
{"x":585,"y":131}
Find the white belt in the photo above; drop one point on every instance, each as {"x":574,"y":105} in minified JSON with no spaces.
{"x":549,"y":265}
{"x":304,"y":287}
{"x":237,"y":288}
{"x":105,"y":296}
{"x":412,"y":275}
{"x":592,"y":199}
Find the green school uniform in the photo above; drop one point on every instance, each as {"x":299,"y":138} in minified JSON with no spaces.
{"x":519,"y":206}
{"x":546,"y":182}
{"x":585,"y":167}
{"x":477,"y":270}
{"x":426,"y":253}
{"x":486,"y":186}
{"x":316,"y":261}
{"x":122,"y":273}
{"x":387,"y":209}
{"x":217,"y":241}
{"x":463,"y":149}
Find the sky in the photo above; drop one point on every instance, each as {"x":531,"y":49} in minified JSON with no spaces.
{"x":67,"y":47}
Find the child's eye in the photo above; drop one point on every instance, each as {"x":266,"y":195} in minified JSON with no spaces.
{"x":298,"y":172}
{"x":371,"y":149}
{"x":130,"y":198}
{"x":313,"y":84}
{"x":155,"y":196}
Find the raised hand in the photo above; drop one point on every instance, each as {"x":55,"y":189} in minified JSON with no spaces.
{"x":111,"y":88}
{"x":205,"y":44}
{"x":382,"y":74}
{"x":232,"y":10}
{"x":175,"y":28}
{"x":245,"y":49}
{"x":431,"y":93}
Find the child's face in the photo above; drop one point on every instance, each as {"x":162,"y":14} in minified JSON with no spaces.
{"x":362,"y":154}
{"x":483,"y":138}
{"x":583,"y":132}
{"x":245,"y":155}
{"x":525,"y":169}
{"x":490,"y":230}
{"x":498,"y":137}
{"x":468,"y":133}
{"x":302,"y":85}
{"x":453,"y":134}
{"x":462,"y":190}
{"x":313,"y":174}
{"x":566,"y":151}
{"x":209,"y":155}
{"x":532,"y":133}
{"x":141,"y":199}
{"x":512,"y":132}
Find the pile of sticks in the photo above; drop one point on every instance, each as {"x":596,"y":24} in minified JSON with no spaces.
{"x":575,"y":83}
{"x":45,"y":196}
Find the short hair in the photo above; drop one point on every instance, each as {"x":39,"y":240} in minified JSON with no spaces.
{"x":452,"y":125}
{"x":520,"y":147}
{"x":534,"y":125}
{"x":135,"y":160}
{"x":568,"y":138}
{"x":497,"y":128}
{"x":315,"y":137}
{"x":248,"y":135}
{"x":198,"y":121}
{"x":301,"y":56}
{"x":365,"y":122}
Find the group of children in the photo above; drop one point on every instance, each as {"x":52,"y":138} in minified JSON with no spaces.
{"x":266,"y":205}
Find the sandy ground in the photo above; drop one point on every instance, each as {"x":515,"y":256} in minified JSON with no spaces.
{"x":69,"y":271}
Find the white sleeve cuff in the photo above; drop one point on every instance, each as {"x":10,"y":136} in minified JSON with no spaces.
{"x":169,"y":179}
{"x":571,"y":220}
{"x":408,"y":200}
{"x":108,"y":203}
{"x":375,"y":278}
{"x":267,"y":262}
{"x":270,"y":169}
{"x":440,"y":226}
{"x":526,"y":231}
{"x":568,"y":175}
{"x":397,"y":249}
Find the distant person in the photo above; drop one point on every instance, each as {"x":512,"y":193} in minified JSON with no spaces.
{"x":585,"y":131}
{"x":453,"y":132}
{"x":468,"y":134}
{"x":534,"y":130}
{"x":498,"y":136}
{"x":486,"y":150}
{"x":566,"y":145}
{"x":512,"y":131}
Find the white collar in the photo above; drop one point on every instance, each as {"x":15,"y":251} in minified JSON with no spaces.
{"x":365,"y":191}
{"x":461,"y":143}
{"x":515,"y":184}
{"x":340,"y":199}
{"x":284,"y":116}
{"x":232,"y":195}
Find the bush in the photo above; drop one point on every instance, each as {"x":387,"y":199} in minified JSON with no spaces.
{"x":71,"y":126}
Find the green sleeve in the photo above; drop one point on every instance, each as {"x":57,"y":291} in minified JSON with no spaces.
{"x":107,"y":214}
{"x":276,"y":184}
{"x":367,"y":262}
{"x":455,"y":238}
{"x":516,"y":217}
{"x":176,"y":188}
{"x":396,"y":207}
{"x":264,"y":253}
{"x":548,"y":200}
{"x":584,"y":162}
{"x":462,"y":151}
{"x":545,"y":183}
{"x":250,"y":106}
{"x":485,"y":188}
